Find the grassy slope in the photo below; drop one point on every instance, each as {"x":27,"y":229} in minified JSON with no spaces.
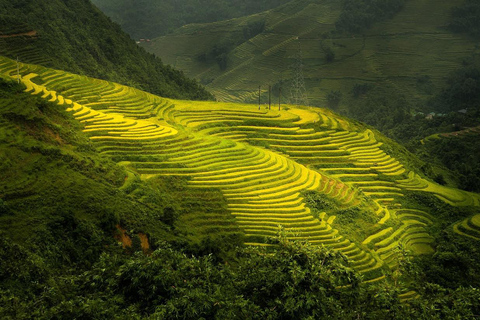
{"x":61,"y":200}
{"x":395,"y":53}
{"x":202,"y":157}
{"x":74,"y":35}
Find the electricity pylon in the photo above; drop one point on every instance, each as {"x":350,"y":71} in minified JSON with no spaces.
{"x":298,"y":91}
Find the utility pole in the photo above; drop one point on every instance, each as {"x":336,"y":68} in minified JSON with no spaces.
{"x":279,"y":96}
{"x":269,"y":97}
{"x":259,"y":97}
{"x":298,"y":91}
{"x":18,"y":71}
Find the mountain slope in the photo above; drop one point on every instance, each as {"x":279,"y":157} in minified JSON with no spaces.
{"x":74,"y":35}
{"x":323,"y":178}
{"x":148,"y":19}
{"x":397,"y":54}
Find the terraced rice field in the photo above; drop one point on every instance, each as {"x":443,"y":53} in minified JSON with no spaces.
{"x":19,"y":41}
{"x":262,"y":161}
{"x":469,"y":227}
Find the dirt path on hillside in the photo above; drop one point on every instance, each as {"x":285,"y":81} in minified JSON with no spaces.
{"x":461,"y":132}
{"x":32,"y":33}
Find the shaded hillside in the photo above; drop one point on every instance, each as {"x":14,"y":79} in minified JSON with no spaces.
{"x":459,"y":151}
{"x":408,"y":54}
{"x":88,"y":161}
{"x":74,"y":35}
{"x":150,"y":18}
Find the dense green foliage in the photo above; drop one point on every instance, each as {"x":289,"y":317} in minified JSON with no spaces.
{"x":292,"y":281}
{"x":359,"y":15}
{"x":149,"y":18}
{"x":85,"y":41}
{"x":466,"y":18}
{"x":461,"y":154}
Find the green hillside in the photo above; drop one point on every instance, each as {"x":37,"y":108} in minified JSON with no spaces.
{"x":407,"y":55}
{"x":74,"y":35}
{"x":218,"y":175}
{"x":269,"y":165}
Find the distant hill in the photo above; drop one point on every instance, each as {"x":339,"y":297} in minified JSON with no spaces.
{"x":74,"y":35}
{"x":151,"y":18}
{"x":405,"y":55}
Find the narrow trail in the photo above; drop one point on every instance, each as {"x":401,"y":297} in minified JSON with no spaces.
{"x":32,"y":33}
{"x":461,"y":132}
